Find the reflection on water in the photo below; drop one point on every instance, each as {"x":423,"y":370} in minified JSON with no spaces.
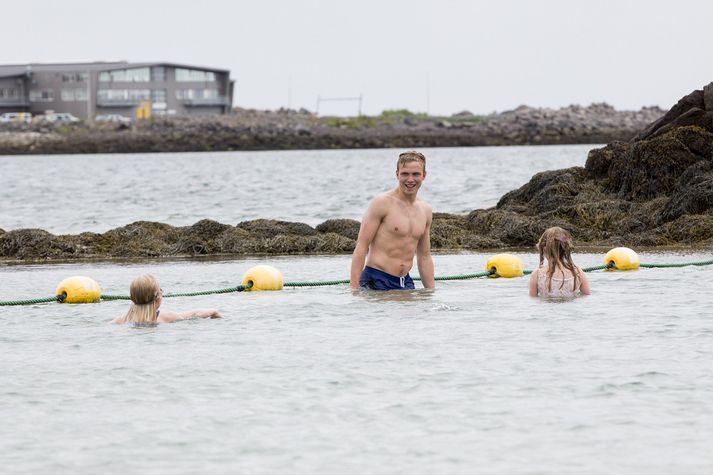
{"x":418,"y":295}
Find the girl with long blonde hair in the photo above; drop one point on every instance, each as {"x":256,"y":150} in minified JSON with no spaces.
{"x":146,"y":298}
{"x":561,"y":277}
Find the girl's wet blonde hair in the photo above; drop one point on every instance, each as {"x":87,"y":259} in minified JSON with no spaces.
{"x":144,"y":291}
{"x":556,"y":246}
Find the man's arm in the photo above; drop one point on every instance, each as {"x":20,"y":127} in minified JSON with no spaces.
{"x":370,"y":222}
{"x":424,"y":261}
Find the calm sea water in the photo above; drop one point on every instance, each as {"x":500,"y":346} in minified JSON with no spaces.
{"x":474,"y":377}
{"x":75,"y":193}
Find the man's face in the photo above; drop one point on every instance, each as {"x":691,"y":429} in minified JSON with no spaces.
{"x":410,"y":176}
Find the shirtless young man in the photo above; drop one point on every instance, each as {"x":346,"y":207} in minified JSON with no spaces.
{"x":395,"y":227}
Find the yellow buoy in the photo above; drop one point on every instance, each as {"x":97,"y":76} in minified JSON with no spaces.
{"x":505,"y":265}
{"x":263,"y":278}
{"x":78,"y":289}
{"x":623,"y":258}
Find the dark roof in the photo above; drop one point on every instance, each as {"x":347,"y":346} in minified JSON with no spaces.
{"x":12,"y":70}
{"x":21,"y":69}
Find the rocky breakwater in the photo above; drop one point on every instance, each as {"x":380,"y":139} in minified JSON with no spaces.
{"x":655,"y":190}
{"x":288,"y":129}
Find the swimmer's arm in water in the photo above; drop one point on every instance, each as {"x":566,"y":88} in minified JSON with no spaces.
{"x":424,"y":261}
{"x":584,"y":284}
{"x":170,"y":317}
{"x":533,"y":282}
{"x":370,"y":222}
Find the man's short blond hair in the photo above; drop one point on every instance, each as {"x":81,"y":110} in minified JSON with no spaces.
{"x":411,"y":156}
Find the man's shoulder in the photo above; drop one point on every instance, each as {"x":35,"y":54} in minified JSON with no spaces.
{"x":383,"y":199}
{"x":424,"y":205}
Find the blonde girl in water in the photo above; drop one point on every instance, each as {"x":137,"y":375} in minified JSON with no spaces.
{"x":146,"y":296}
{"x":560,"y":277}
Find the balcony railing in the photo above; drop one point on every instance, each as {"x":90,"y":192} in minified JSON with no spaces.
{"x":119,"y":102}
{"x":214,"y":101}
{"x":14,"y":103}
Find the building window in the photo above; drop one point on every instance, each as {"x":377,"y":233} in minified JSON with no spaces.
{"x":72,"y":95}
{"x":189,"y":94}
{"x":194,"y":75}
{"x":74,"y":77}
{"x":8,"y":93}
{"x":158,"y":95}
{"x":126,"y":75}
{"x":158,"y":74}
{"x":123,"y":95}
{"x":42,"y":95}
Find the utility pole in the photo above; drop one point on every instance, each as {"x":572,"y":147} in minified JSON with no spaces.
{"x":289,"y":92}
{"x":90,"y":119}
{"x":428,"y":93}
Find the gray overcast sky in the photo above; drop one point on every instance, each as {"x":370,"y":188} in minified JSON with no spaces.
{"x":440,"y":56}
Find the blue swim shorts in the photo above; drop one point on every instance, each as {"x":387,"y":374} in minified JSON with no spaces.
{"x":375,"y":279}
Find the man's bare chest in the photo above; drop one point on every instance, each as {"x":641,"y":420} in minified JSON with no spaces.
{"x":405,"y":224}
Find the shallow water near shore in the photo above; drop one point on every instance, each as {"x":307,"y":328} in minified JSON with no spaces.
{"x":472,"y":377}
{"x":69,"y":194}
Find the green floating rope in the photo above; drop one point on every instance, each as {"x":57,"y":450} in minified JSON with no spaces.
{"x":315,"y":283}
{"x":319,"y":283}
{"x":680,"y":264}
{"x":28,"y":301}
{"x":239,"y":288}
{"x":346,"y":281}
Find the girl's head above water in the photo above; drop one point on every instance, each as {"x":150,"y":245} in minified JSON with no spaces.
{"x":555,"y":245}
{"x":146,"y":296}
{"x":144,"y":290}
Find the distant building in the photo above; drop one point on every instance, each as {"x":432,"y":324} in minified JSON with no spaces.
{"x":90,"y":89}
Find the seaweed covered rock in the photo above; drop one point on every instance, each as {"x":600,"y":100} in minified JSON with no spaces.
{"x":628,"y":192}
{"x":348,"y":228}
{"x":652,"y":167}
{"x":269,"y":228}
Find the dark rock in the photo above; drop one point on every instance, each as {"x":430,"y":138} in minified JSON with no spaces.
{"x":545,"y":191}
{"x":448,"y":231}
{"x":693,"y":193}
{"x":693,"y":116}
{"x":599,"y":160}
{"x":26,"y":243}
{"x":693,"y":100}
{"x":268,"y":228}
{"x":708,"y":97}
{"x":654,"y":166}
{"x":348,"y":228}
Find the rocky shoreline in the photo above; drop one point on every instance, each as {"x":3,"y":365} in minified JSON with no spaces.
{"x":287,"y":129}
{"x":654,"y":190}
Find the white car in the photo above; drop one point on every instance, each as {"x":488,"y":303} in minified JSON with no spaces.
{"x":59,"y":117}
{"x":116,"y":118}
{"x":9,"y":117}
